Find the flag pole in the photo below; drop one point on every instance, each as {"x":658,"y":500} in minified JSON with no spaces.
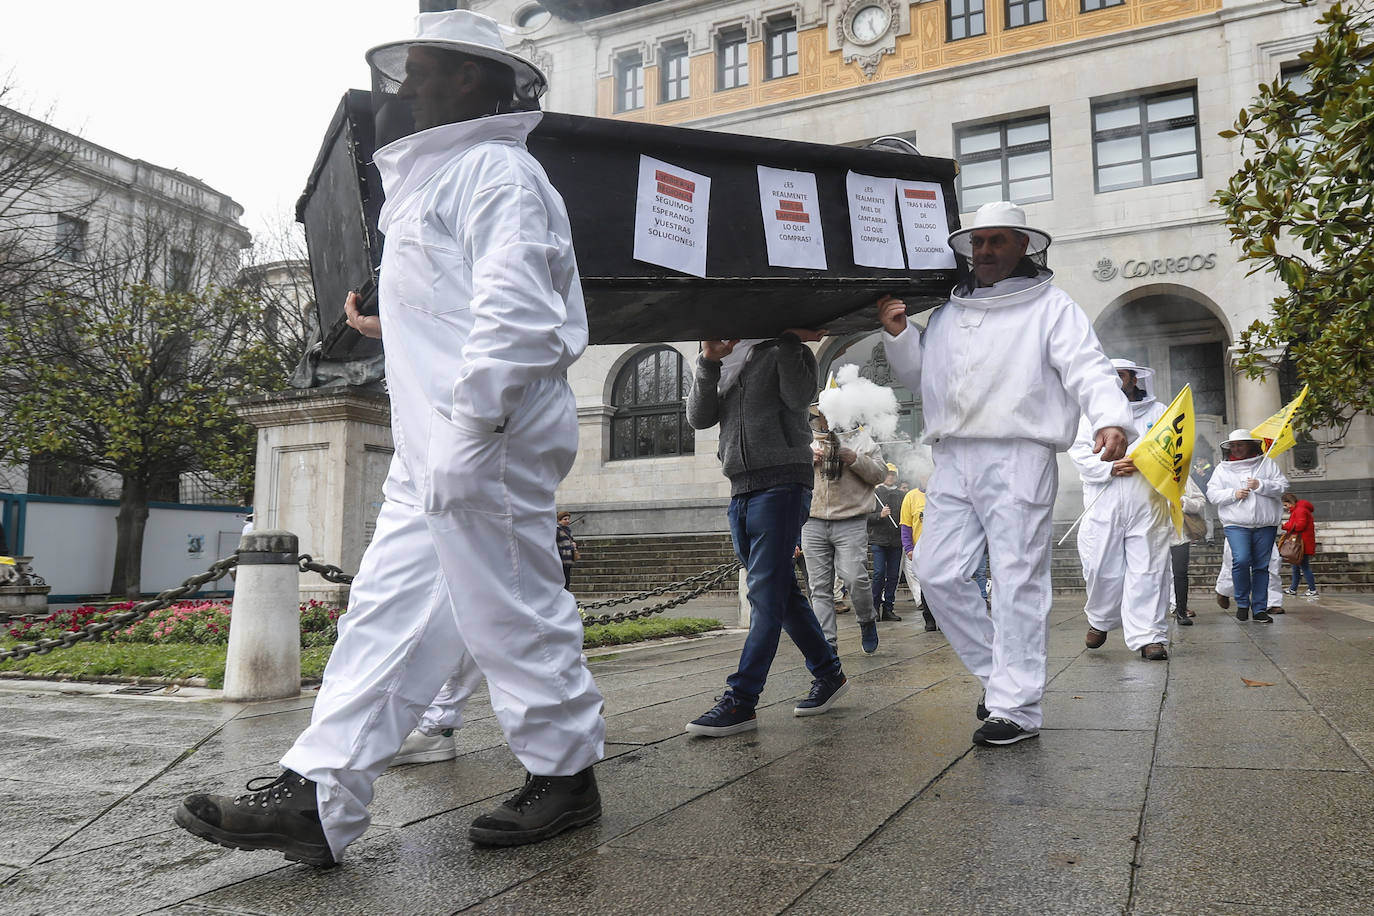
{"x":1085,"y":511}
{"x":883,"y":505}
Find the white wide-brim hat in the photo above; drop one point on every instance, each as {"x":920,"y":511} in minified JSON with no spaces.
{"x":1239,"y":435}
{"x":1141,"y":372}
{"x":467,"y":33}
{"x":1001,"y":214}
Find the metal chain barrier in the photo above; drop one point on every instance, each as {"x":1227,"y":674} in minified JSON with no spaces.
{"x":707,"y":580}
{"x":704,"y":582}
{"x":125,"y":618}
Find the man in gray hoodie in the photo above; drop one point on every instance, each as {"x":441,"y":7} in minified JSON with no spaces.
{"x":758,"y":392}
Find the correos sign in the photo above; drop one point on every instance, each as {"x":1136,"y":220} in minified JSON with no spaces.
{"x":1135,"y":270}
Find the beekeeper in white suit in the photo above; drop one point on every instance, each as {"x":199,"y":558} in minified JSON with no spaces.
{"x":482,"y":314}
{"x":1126,"y":532}
{"x":1004,"y":369}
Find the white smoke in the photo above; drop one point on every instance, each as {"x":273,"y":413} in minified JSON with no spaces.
{"x":859,"y":402}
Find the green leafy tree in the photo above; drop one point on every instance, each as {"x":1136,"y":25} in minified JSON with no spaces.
{"x":1301,"y":208}
{"x":136,"y":380}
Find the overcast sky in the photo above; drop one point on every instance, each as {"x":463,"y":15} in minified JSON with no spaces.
{"x":237,"y":94}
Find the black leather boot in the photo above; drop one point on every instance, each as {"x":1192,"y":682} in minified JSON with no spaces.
{"x":545,"y":807}
{"x":280,"y":814}
{"x":888,"y":614}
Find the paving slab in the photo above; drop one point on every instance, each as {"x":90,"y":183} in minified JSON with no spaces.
{"x":1220,"y":840}
{"x":965,"y":857}
{"x":1244,"y":739}
{"x":609,"y":882}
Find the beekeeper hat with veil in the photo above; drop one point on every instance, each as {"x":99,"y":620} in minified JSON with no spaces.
{"x":1001,"y":214}
{"x":460,"y":31}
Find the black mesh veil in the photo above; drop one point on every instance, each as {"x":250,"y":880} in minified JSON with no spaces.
{"x":393,"y":116}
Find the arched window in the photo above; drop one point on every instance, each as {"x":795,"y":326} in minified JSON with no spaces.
{"x":650,"y":418}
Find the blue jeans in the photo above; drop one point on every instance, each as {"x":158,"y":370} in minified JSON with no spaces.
{"x":765,"y":525}
{"x":980,"y":575}
{"x":887,"y":569}
{"x":1305,"y":567}
{"x":1251,"y":549}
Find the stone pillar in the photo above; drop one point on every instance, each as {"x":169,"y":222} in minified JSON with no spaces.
{"x":323,"y":454}
{"x":1256,"y":399}
{"x":264,"y":657}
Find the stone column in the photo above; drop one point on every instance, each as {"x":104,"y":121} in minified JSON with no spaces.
{"x":1256,"y":399}
{"x":323,"y":454}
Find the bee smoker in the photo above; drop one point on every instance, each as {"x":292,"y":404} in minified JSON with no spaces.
{"x":831,"y":465}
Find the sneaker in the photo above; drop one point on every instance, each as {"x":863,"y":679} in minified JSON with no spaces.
{"x":1243,"y":613}
{"x":841,"y":607}
{"x":823,"y":695}
{"x":545,"y":807}
{"x":1154,"y":652}
{"x":981,"y":710}
{"x":281,"y":814}
{"x":1183,"y":619}
{"x":422,"y":748}
{"x":1223,"y":602}
{"x":1290,"y":591}
{"x":1310,"y":593}
{"x":1276,"y":609}
{"x":1262,"y":617}
{"x":998,"y":731}
{"x":868,"y":637}
{"x":727,"y":717}
{"x":1094,"y":638}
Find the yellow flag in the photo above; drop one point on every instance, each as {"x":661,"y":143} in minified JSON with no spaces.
{"x":1277,"y":431}
{"x":1165,"y":453}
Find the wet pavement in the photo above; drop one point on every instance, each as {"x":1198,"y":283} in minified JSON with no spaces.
{"x":1234,"y":778}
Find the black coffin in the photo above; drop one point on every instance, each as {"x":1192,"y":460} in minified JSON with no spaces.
{"x":594,"y":164}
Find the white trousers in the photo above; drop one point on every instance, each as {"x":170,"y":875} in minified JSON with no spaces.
{"x":461,"y":580}
{"x":1227,"y":586}
{"x":1000,"y":492}
{"x":1124,"y":546}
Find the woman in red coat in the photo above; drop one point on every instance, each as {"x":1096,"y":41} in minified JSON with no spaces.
{"x":1300,"y":522}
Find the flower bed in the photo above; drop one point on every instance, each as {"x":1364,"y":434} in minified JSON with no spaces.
{"x":186,"y":622}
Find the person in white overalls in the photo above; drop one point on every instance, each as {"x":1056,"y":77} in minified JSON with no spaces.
{"x":1004,"y":370}
{"x":482,"y":312}
{"x":1124,"y":539}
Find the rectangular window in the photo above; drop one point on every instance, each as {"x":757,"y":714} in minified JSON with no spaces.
{"x":675,"y":79}
{"x":1298,"y":80}
{"x":1090,"y":5}
{"x":1009,"y":160}
{"x":71,"y":238}
{"x":966,"y":19}
{"x":1025,"y":12}
{"x":782,"y":48}
{"x":732,"y":60}
{"x":629,"y":83}
{"x":180,"y":270}
{"x":1147,"y":140}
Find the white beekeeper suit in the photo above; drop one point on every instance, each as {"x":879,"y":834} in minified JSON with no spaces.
{"x":482,"y":314}
{"x":1125,"y":535}
{"x":1003,"y":372}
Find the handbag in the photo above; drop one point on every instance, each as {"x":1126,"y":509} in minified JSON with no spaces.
{"x":1194,"y":526}
{"x":1290,"y":548}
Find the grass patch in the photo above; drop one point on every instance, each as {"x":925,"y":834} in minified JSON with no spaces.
{"x":182,"y":661}
{"x":616,"y":634}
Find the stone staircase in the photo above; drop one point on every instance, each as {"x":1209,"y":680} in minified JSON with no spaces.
{"x":613,"y":566}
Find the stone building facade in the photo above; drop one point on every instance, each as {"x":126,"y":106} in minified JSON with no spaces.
{"x":1101,"y":117}
{"x":92,"y":205}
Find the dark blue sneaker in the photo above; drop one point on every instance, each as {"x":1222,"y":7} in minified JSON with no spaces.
{"x":824,"y":693}
{"x":728,"y":717}
{"x":868,"y":636}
